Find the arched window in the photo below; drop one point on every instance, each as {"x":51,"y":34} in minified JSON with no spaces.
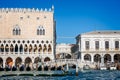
{"x":2,"y":48}
{"x":116,"y":45}
{"x":16,"y":48}
{"x":35,"y":48}
{"x":43,"y":31}
{"x":45,"y":48}
{"x":40,"y":30}
{"x":30,"y":48}
{"x":107,"y":45}
{"x":40,"y":48}
{"x":7,"y":48}
{"x":16,"y":30}
{"x":25,"y":48}
{"x":21,"y":48}
{"x":49,"y":48}
{"x":11,"y":48}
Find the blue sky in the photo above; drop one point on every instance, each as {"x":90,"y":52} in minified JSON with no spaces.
{"x":76,"y":16}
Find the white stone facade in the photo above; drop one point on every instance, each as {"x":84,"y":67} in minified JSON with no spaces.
{"x":63,"y":50}
{"x":99,"y":45}
{"x":26,"y":35}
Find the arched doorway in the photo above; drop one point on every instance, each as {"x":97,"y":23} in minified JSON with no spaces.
{"x":107,"y":57}
{"x":87,"y":57}
{"x":9,"y":61}
{"x":28,"y":61}
{"x":117,"y":58}
{"x":97,"y":58}
{"x":1,"y":62}
{"x":46,"y":59}
{"x":18,"y":61}
{"x":37,"y":59}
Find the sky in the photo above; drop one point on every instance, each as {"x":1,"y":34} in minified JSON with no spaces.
{"x":74,"y":17}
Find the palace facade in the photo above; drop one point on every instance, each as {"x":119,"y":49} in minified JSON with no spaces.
{"x":27,"y":36}
{"x":99,"y":45}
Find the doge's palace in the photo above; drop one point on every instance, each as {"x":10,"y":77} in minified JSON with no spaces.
{"x":27,"y":36}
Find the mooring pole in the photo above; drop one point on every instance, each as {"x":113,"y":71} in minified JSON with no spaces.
{"x":67,"y":67}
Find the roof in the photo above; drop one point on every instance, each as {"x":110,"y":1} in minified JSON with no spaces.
{"x":102,"y":32}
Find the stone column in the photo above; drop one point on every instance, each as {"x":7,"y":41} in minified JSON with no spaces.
{"x":112,"y":57}
{"x":102,"y":59}
{"x":82,"y":57}
{"x":4,"y":63}
{"x":92,"y":58}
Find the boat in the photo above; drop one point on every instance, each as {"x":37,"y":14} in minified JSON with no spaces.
{"x":86,"y":67}
{"x":103,"y":68}
{"x":113,"y":68}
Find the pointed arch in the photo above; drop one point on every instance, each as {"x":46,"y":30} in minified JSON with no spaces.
{"x":37,"y":59}
{"x":21,"y":48}
{"x":28,"y":60}
{"x":2,"y":48}
{"x":1,"y":62}
{"x":19,"y":31}
{"x":6,"y":48}
{"x":16,"y":30}
{"x":40,"y":31}
{"x":35,"y":48}
{"x":16,"y":48}
{"x":18,"y":61}
{"x":49,"y":48}
{"x":44,"y":48}
{"x":43,"y":31}
{"x":9,"y":61}
{"x":30,"y":48}
{"x":11,"y":48}
{"x":26,"y":48}
{"x":40,"y":48}
{"x":46,"y":59}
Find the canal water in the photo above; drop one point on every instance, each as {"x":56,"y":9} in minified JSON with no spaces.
{"x":83,"y":75}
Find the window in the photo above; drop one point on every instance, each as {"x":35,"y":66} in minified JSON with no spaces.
{"x":116,"y":45}
{"x":96,"y":45}
{"x":16,"y":30}
{"x":87,"y":45}
{"x":107,"y":45}
{"x":40,"y":31}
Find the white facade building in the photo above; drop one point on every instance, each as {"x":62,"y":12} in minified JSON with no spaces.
{"x":99,"y":45}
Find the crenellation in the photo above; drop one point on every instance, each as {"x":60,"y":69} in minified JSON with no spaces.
{"x":45,"y":9}
{"x":50,"y":9}
{"x":26,"y":10}
{"x":41,"y":9}
{"x":37,"y":10}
